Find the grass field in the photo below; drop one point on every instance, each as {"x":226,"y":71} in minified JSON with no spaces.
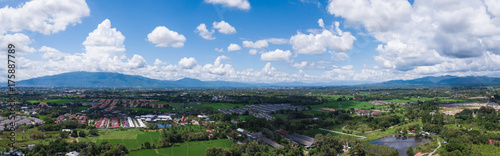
{"x":279,"y":115}
{"x":347,"y":105}
{"x":58,"y":101}
{"x":187,"y":148}
{"x":42,"y":116}
{"x":82,"y":108}
{"x":333,"y":97}
{"x":159,"y":102}
{"x":442,"y":99}
{"x":151,"y":137}
{"x":131,"y":138}
{"x":23,"y":138}
{"x":216,"y":106}
{"x":151,"y":109}
{"x":243,"y":117}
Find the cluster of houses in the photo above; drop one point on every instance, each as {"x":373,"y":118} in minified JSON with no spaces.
{"x":81,"y":118}
{"x":366,"y":112}
{"x":19,"y":120}
{"x":295,"y":138}
{"x":116,"y":122}
{"x":110,"y":104}
{"x":154,"y":118}
{"x":262,"y":110}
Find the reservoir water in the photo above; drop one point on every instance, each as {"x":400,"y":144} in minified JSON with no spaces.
{"x":401,"y":143}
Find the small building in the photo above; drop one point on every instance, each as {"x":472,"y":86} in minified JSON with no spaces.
{"x":43,"y":104}
{"x":72,"y":153}
{"x":375,"y":113}
{"x":283,"y":132}
{"x":30,"y":147}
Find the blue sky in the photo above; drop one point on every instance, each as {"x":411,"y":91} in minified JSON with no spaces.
{"x":361,"y":40}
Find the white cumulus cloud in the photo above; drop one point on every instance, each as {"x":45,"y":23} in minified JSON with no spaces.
{"x":276,"y":55}
{"x":428,"y":37}
{"x":321,"y":23}
{"x":204,"y":33}
{"x":105,"y":42}
{"x":187,"y":63}
{"x":44,"y":16}
{"x":159,"y":62}
{"x":240,"y":4}
{"x":224,"y":27}
{"x":164,"y":37}
{"x":257,"y":45}
{"x":316,"y":44}
{"x":233,"y":47}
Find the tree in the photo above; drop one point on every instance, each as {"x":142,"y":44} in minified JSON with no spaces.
{"x":82,"y":134}
{"x":74,"y":133}
{"x":147,"y":145}
{"x":409,"y":151}
{"x":63,"y":135}
{"x":217,"y":151}
{"x":357,"y":149}
{"x":94,"y":132}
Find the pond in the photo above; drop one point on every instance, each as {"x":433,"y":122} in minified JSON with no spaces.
{"x":401,"y":143}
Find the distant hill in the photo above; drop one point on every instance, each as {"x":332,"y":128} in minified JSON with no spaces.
{"x":107,"y":80}
{"x":447,"y":80}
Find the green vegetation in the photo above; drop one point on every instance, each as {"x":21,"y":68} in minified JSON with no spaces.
{"x":56,"y":101}
{"x":187,"y":148}
{"x":347,"y":105}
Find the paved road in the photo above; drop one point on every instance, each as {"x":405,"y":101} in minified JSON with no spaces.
{"x":436,"y":148}
{"x":362,"y":137}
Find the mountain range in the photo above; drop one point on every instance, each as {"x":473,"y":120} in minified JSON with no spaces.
{"x":107,"y":79}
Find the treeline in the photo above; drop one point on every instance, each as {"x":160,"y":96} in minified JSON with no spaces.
{"x":60,"y":146}
{"x":254,"y":148}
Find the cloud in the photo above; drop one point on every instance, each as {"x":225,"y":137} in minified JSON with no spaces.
{"x":158,"y":62}
{"x":278,"y":40}
{"x":187,"y":63}
{"x":218,"y":68}
{"x":224,"y":27}
{"x":257,"y":45}
{"x":373,"y":14}
{"x":428,"y":37}
{"x":318,"y":65}
{"x":163,"y":37}
{"x":43,"y":16}
{"x":219,"y":49}
{"x":19,"y":40}
{"x":240,"y":4}
{"x":300,"y":65}
{"x":268,"y":69}
{"x":204,"y":33}
{"x":137,"y":61}
{"x":320,"y":23}
{"x":51,"y":53}
{"x":339,"y":56}
{"x":105,"y":42}
{"x":233,"y":47}
{"x":252,"y":51}
{"x":316,"y":44}
{"x":276,"y":55}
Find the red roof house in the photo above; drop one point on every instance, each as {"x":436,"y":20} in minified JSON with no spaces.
{"x":283,"y":132}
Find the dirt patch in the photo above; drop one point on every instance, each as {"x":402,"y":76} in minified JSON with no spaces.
{"x":452,"y":109}
{"x":328,"y":109}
